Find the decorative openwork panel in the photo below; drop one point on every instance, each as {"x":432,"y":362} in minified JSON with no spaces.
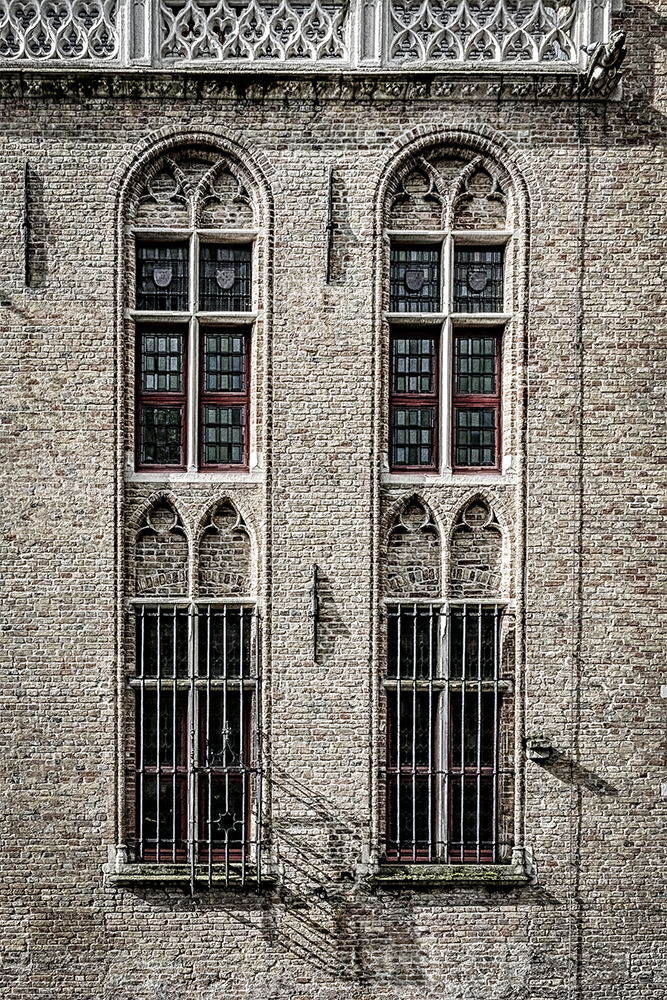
{"x":224,"y":278}
{"x":479,"y":31}
{"x":58,"y":29}
{"x":448,"y":714}
{"x":283,"y":30}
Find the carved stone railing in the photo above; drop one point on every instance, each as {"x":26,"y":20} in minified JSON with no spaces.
{"x":39,"y":30}
{"x":333,"y":34}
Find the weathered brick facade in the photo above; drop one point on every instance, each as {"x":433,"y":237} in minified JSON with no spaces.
{"x":574,"y":537}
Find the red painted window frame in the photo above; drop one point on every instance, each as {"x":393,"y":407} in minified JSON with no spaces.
{"x":164,"y":399}
{"x":414,"y":399}
{"x":235,"y":398}
{"x":477,"y":401}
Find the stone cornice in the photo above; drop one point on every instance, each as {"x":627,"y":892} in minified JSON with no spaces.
{"x":376,"y":86}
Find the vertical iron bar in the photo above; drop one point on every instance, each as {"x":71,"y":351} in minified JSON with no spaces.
{"x":429,"y":770}
{"x":329,"y":225}
{"x":464,"y":670}
{"x":242,"y":760}
{"x":225,"y":734}
{"x":259,"y":767}
{"x":25,"y":226}
{"x":414,"y":732}
{"x":399,"y":672}
{"x":192,"y":788}
{"x":209,"y":760}
{"x":446,"y":750}
{"x":479,"y":734}
{"x":314,"y":607}
{"x":174,"y":760}
{"x":142,"y":732}
{"x":494,"y":829}
{"x":158,"y":755}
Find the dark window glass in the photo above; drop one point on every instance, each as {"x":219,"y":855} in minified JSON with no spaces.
{"x":162,"y":276}
{"x":414,"y":364}
{"x":162,"y":642}
{"x":162,"y":362}
{"x":471,"y":729}
{"x":413,"y":435}
{"x":415,"y":279}
{"x":225,"y":278}
{"x":471,"y":798}
{"x":224,"y":642}
{"x":161,"y":435}
{"x":224,"y":362}
{"x":223,"y":435}
{"x":476,"y":365}
{"x":412,"y":642}
{"x":474,"y":644}
{"x":475,"y":442}
{"x":478,"y":280}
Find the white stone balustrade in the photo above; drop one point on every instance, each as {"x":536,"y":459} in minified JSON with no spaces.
{"x":270,"y":34}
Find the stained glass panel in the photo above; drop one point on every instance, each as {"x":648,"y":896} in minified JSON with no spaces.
{"x":162,"y":276}
{"x":225,"y":275}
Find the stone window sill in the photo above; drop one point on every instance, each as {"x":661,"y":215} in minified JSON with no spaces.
{"x":148,"y":874}
{"x":448,"y":875}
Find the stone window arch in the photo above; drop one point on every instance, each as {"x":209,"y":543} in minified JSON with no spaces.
{"x":194,"y":280}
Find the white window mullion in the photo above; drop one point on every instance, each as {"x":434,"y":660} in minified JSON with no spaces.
{"x":193,"y":367}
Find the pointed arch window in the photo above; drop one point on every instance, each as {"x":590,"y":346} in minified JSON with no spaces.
{"x":194,"y":306}
{"x":447,"y":686}
{"x":449,"y":224}
{"x":194,"y":689}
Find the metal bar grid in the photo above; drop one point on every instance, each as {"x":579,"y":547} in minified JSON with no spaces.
{"x":445,"y":696}
{"x":198,"y":755}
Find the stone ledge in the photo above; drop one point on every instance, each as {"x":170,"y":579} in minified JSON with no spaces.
{"x":128,"y":875}
{"x":448,"y":875}
{"x":470,"y":84}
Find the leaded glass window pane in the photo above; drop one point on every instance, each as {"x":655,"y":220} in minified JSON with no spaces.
{"x":475,"y":437}
{"x":162,"y":362}
{"x":414,"y":364}
{"x":478,"y":280}
{"x":476,"y":365}
{"x":223,"y":435}
{"x":474,"y":643}
{"x":161,"y":433}
{"x":224,"y":642}
{"x":224,"y":362}
{"x":162,"y":276}
{"x":225,"y":274}
{"x":413,"y":435}
{"x":162,"y":642}
{"x":415,"y":279}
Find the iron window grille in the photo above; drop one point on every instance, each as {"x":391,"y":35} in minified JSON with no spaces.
{"x":198,"y":771}
{"x":193,"y":352}
{"x":448,"y":280}
{"x":448,"y":774}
